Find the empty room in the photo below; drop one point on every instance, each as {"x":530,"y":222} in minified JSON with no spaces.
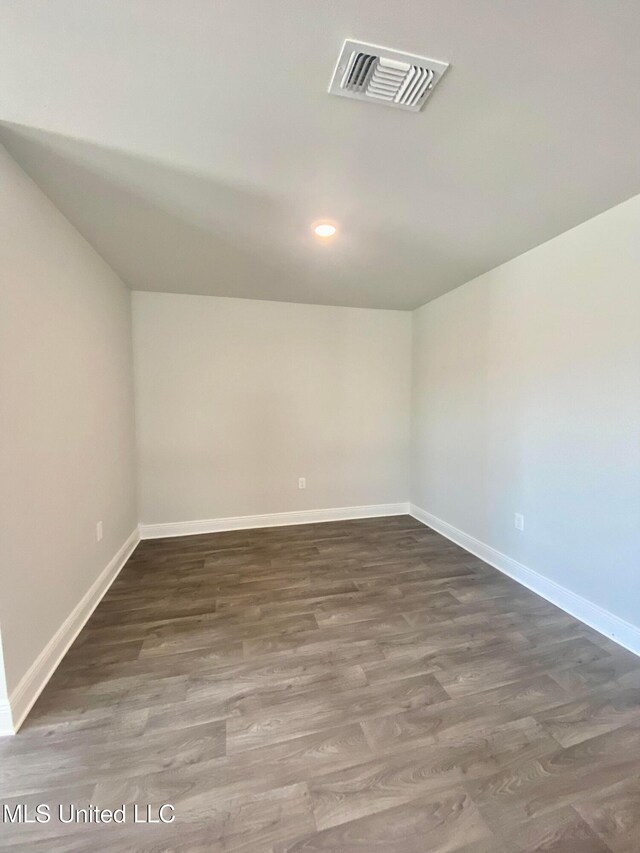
{"x":319,"y":426}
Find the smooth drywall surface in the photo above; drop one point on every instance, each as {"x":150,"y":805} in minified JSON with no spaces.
{"x":66,"y":409}
{"x":187,"y":179}
{"x":237,"y":399}
{"x":526,"y":399}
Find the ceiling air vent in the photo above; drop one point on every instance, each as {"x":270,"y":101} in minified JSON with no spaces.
{"x":371,"y":73}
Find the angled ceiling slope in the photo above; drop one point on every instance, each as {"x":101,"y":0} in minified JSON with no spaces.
{"x":194,"y":143}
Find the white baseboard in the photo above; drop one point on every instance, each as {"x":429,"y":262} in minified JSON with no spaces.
{"x":596,"y":617}
{"x":6,"y":720}
{"x":274,"y":519}
{"x":35,"y":679}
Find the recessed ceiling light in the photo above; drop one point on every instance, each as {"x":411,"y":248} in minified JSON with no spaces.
{"x":325,"y":229}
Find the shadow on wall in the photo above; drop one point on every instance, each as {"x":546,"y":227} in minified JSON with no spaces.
{"x":166,"y":228}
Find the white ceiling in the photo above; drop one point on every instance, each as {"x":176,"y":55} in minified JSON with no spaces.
{"x":193,"y":142}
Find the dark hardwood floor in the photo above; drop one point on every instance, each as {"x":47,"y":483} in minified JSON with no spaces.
{"x":353,"y":686}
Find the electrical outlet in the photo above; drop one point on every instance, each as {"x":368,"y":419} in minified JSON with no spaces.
{"x":98,"y":531}
{"x":302,"y":482}
{"x":518,"y":521}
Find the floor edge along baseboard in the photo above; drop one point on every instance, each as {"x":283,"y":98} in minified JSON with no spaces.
{"x":23,"y":697}
{"x":274,"y":519}
{"x":33,"y":682}
{"x":603,"y":621}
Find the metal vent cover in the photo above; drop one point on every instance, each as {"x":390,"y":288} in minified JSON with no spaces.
{"x":368,"y":72}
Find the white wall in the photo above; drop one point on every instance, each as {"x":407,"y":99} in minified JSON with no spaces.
{"x":236,"y":399}
{"x":66,"y":409}
{"x":526,"y":398}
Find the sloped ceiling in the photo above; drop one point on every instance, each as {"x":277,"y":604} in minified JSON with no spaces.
{"x":193,"y":142}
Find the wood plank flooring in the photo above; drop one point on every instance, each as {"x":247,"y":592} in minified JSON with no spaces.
{"x":353,"y":686}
